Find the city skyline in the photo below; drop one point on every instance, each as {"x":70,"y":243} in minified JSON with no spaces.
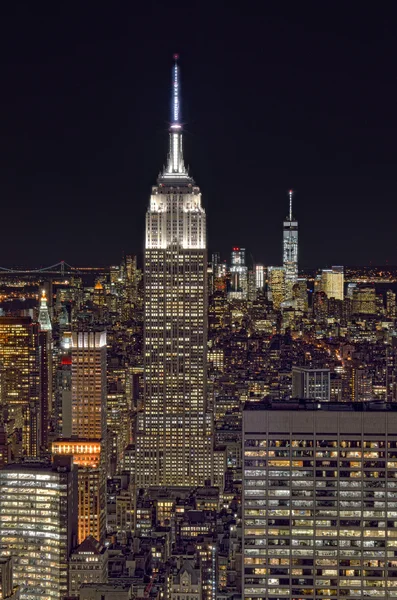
{"x":216,"y":421}
{"x":87,"y":134}
{"x":192,"y":411}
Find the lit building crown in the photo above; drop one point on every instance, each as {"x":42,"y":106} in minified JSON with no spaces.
{"x":175,"y":215}
{"x":44,"y":315}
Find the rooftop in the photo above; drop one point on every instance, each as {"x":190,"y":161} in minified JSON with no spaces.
{"x":316,"y":405}
{"x":90,"y":546}
{"x":60,"y":463}
{"x":188,"y":568}
{"x":107,"y":587}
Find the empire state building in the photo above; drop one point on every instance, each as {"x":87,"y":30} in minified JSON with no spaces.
{"x":174,"y":431}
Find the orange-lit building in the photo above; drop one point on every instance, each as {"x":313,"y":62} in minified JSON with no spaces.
{"x":88,"y":444}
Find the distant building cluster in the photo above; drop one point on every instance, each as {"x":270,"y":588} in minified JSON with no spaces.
{"x":201,"y":428}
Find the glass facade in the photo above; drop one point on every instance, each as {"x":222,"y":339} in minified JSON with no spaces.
{"x":332,"y":283}
{"x":36,"y":527}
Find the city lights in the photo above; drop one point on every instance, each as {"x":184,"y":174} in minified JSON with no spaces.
{"x":185,"y":426}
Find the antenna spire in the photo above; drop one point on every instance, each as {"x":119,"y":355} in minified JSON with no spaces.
{"x":291,"y":193}
{"x":175,"y":168}
{"x":176,"y":103}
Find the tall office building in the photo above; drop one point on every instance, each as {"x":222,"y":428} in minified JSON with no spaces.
{"x":277,"y":284}
{"x":391,"y":304}
{"x":251,"y":286}
{"x":174,"y":432}
{"x":391,"y":374}
{"x":45,"y":369}
{"x":319,"y":500}
{"x":332,"y":282}
{"x":87,"y":443}
{"x":260,"y":277}
{"x":220,"y":279}
{"x":38,"y":525}
{"x":364,"y":300}
{"x":300,"y":292}
{"x":216,"y":263}
{"x":214,"y":273}
{"x":89,"y":385}
{"x":20,"y":380}
{"x":44,"y":315}
{"x":238,"y":275}
{"x":130,"y":288}
{"x":63,"y":388}
{"x":320,"y":306}
{"x":311,"y":383}
{"x":290,"y":250}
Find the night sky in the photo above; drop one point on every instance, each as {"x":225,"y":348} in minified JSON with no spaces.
{"x":301,"y":97}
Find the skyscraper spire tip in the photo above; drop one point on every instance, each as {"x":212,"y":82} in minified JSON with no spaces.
{"x":291,"y":193}
{"x":175,"y":165}
{"x":175,"y":103}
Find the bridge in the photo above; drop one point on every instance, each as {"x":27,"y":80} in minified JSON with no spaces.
{"x":61,"y":268}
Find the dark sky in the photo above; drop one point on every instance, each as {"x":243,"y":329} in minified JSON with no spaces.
{"x":302,"y":96}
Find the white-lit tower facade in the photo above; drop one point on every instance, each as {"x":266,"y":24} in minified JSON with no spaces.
{"x":174,"y":431}
{"x":46,"y":371}
{"x":290,"y":250}
{"x":238,"y":275}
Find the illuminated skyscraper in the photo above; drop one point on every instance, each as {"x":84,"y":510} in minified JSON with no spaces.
{"x":391,"y":304}
{"x":276,"y":286}
{"x":63,"y":388}
{"x":259,"y":277}
{"x":45,"y":367}
{"x":290,"y":250}
{"x":215,"y":263}
{"x":301,"y":294}
{"x":131,"y":278}
{"x":364,"y":300}
{"x":332,"y":282}
{"x":238,"y":275}
{"x":89,"y":385}
{"x":44,"y":315}
{"x":20,"y":380}
{"x":88,"y":441}
{"x":38,"y":525}
{"x":174,"y":433}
